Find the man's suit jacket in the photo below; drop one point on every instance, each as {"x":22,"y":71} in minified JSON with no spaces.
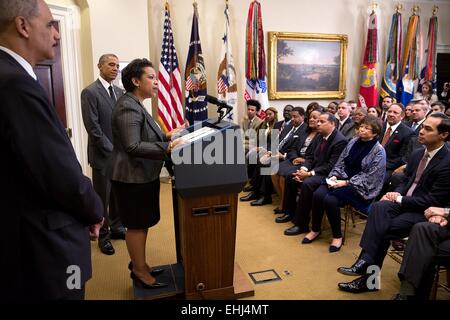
{"x":322,"y":161}
{"x":433,"y":188}
{"x":299,"y":132}
{"x":409,"y":125}
{"x":139,"y":144}
{"x":396,"y":146}
{"x":97,"y":107}
{"x":348,"y":129}
{"x":46,"y":203}
{"x":250,"y":138}
{"x":294,"y":150}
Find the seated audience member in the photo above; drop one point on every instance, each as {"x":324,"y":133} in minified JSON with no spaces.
{"x":394,"y":138}
{"x":437,"y":107}
{"x":356,"y":179}
{"x":327,"y":148}
{"x":357,"y":117}
{"x":385,"y":104}
{"x":447,"y":112}
{"x":280,"y":125}
{"x":262,"y":184}
{"x":353,"y":106}
{"x":332,"y":107}
{"x":427,"y":184}
{"x":374,"y":111}
{"x":408,"y":112}
{"x":444,"y":94}
{"x":426,"y":93}
{"x":345,"y":123}
{"x":296,"y":156}
{"x":427,"y":241}
{"x":250,"y":125}
{"x":287,"y":140}
{"x":310,"y":107}
{"x":419,"y":111}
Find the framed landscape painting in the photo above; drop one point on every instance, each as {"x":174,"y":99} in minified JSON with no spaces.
{"x":307,"y":65}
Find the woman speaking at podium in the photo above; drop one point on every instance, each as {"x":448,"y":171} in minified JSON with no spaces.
{"x":140,"y":148}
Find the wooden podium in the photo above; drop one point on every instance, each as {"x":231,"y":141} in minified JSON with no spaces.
{"x":205,"y":208}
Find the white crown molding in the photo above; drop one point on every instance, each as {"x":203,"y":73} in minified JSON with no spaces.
{"x":443,"y":48}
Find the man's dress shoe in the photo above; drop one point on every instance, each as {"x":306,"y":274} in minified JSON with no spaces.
{"x":154,"y":272}
{"x":359,"y":268}
{"x":249,"y":197}
{"x":278,"y":211}
{"x":106,"y":247}
{"x":284,"y":218}
{"x":261,"y":201}
{"x":293,"y":231}
{"x":358,"y":285}
{"x":142,"y":284}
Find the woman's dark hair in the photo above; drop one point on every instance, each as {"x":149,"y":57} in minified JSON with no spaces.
{"x":135,"y":69}
{"x":377,"y":109}
{"x":373,"y":122}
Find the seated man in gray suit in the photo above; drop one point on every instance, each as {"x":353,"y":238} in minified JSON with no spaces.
{"x":97,"y":103}
{"x":345,"y":123}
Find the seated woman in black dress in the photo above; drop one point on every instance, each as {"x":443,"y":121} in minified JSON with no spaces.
{"x":140,"y":148}
{"x":356,"y":179}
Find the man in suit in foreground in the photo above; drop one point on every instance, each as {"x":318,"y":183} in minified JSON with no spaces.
{"x":427,"y":241}
{"x":97,"y":103}
{"x":48,"y":207}
{"x":427,"y":184}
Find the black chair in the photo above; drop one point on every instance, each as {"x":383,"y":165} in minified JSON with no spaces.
{"x":442,"y":265}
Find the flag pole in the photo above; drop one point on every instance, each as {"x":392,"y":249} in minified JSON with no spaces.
{"x":398,"y":8}
{"x":435,"y":10}
{"x":415,"y":10}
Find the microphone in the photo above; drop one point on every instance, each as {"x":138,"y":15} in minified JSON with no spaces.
{"x":217,"y":102}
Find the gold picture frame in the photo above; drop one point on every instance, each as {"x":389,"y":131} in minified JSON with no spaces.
{"x":307,"y":65}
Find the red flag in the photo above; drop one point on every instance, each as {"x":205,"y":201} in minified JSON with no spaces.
{"x":368,"y":90}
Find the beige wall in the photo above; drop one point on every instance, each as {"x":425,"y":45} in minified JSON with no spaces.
{"x":133,"y":28}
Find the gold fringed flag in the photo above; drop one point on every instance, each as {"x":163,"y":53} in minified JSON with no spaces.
{"x":255,"y":59}
{"x":368,"y":90}
{"x":428,"y":72}
{"x":195,"y":76}
{"x":226,"y":75}
{"x":409,"y":69}
{"x":394,"y":53}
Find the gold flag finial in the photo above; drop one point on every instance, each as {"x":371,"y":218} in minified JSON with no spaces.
{"x":398,"y":7}
{"x":435,"y":10}
{"x":415,"y":10}
{"x":374,"y":6}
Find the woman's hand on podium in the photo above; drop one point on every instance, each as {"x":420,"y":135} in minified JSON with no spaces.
{"x":173,"y":132}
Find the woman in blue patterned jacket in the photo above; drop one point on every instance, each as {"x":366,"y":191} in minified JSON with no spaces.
{"x":356,"y":179}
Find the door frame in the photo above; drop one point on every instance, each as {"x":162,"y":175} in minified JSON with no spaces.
{"x":69,"y":21}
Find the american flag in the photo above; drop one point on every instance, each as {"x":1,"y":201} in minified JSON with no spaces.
{"x":170,"y":108}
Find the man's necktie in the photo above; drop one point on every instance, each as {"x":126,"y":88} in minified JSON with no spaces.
{"x":419,"y":172}
{"x":386,"y":137}
{"x":286,"y":138}
{"x":414,"y":126}
{"x":111,"y":94}
{"x":323,"y":143}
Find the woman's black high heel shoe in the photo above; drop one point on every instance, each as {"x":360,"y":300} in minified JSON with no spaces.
{"x":308,"y":241}
{"x":142,"y":284}
{"x":153,"y":273}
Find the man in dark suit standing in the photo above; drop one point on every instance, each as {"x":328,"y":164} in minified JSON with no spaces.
{"x":97,"y":103}
{"x":316,"y":167}
{"x":49,"y":209}
{"x":427,"y":184}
